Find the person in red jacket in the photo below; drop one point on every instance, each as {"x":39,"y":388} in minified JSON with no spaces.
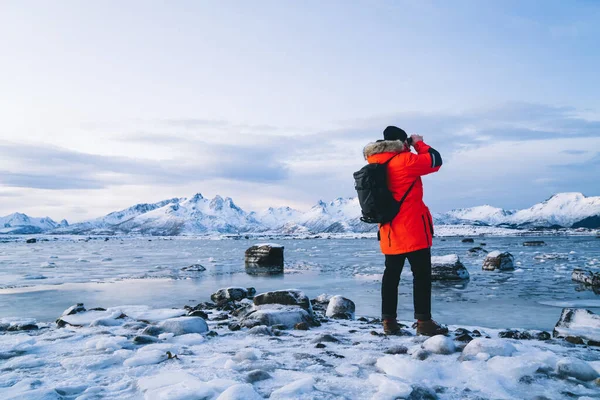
{"x":410,"y":234}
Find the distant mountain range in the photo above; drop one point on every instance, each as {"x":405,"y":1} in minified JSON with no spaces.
{"x":198,"y":215}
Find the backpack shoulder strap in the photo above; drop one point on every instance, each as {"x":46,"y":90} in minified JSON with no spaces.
{"x":407,"y":192}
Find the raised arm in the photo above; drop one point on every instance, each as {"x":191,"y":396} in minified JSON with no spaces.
{"x":426,"y":161}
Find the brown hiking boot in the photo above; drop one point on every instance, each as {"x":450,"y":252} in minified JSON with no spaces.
{"x":430,"y":328}
{"x":391,"y":327}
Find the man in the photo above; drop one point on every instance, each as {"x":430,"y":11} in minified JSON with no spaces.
{"x":409,"y":235}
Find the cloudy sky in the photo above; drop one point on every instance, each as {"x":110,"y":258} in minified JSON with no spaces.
{"x":107,"y":104}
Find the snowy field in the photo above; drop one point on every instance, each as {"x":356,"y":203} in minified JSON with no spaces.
{"x":141,"y":285}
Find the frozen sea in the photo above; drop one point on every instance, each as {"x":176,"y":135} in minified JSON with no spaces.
{"x":41,"y":280}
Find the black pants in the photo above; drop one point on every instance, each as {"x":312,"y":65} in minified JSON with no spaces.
{"x":420,"y":264}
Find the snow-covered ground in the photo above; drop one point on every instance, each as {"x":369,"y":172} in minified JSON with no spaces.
{"x":114,"y":354}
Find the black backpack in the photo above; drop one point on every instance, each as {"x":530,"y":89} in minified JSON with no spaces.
{"x":376,"y":200}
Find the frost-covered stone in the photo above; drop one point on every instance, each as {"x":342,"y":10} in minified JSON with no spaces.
{"x":498,"y":261}
{"x":489,"y":347}
{"x":77,"y":308}
{"x":269,"y":255}
{"x":578,"y":323}
{"x":586,"y":277}
{"x":257,"y":375}
{"x":578,"y":369}
{"x":184,"y":325}
{"x":194,"y":268}
{"x":340,"y":308}
{"x":243,"y":391}
{"x":439,"y":344}
{"x":448,"y":268}
{"x":229,"y":294}
{"x":271,"y":315}
{"x":288,"y":297}
{"x":295,"y":389}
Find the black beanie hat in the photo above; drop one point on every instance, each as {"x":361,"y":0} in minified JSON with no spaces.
{"x":394,"y":133}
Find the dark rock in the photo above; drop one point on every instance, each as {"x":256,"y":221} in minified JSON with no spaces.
{"x":332,"y":354}
{"x":23,"y":327}
{"x":476,"y":333}
{"x":448,"y":268}
{"x":593,"y":343}
{"x":152,"y":331}
{"x":468,"y":240}
{"x":543,"y":336}
{"x":194,"y":268}
{"x":284,"y":297}
{"x":219,"y":317}
{"x":421,"y":355}
{"x":465,"y":338}
{"x":574,"y":340}
{"x":422,"y":393}
{"x":586,"y":277}
{"x":534,"y":243}
{"x":498,"y":261}
{"x":483,"y":244}
{"x":301,"y":326}
{"x":265,"y":256}
{"x":198,"y":313}
{"x":251,"y":292}
{"x":229,"y":294}
{"x":340,"y":308}
{"x":280,"y":327}
{"x":261,"y":330}
{"x":397,"y":349}
{"x":31,"y":240}
{"x":326,"y":338}
{"x":514,"y":334}
{"x":96,"y":309}
{"x":257,"y":376}
{"x":77,"y":308}
{"x":288,"y":316}
{"x":477,"y":250}
{"x":320,"y":346}
{"x":234,"y":326}
{"x":211,"y":334}
{"x":143,"y":339}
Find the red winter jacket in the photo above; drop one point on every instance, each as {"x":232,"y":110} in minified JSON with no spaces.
{"x":412,"y":228}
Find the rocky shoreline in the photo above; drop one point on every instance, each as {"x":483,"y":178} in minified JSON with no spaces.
{"x":283,"y":345}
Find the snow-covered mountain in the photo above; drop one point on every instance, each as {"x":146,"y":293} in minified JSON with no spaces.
{"x":198,"y":215}
{"x":19,"y":223}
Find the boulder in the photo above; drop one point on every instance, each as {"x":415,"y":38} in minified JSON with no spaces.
{"x":468,"y":240}
{"x":439,"y":344}
{"x":194,"y":268}
{"x":448,"y":268}
{"x":534,"y":243}
{"x":491,"y":347}
{"x":287,"y":297}
{"x":586,"y":277}
{"x":498,"y":261}
{"x":340,"y":308}
{"x":575,"y":368}
{"x":578,"y":323}
{"x":265,"y":255}
{"x":229,"y":294}
{"x":271,"y":315}
{"x":184,"y":325}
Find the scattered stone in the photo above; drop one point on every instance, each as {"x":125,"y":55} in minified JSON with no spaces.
{"x":152,"y":331}
{"x":483,"y":244}
{"x":33,"y":240}
{"x":593,"y":343}
{"x":219,"y":317}
{"x":578,"y":322}
{"x":22,"y":327}
{"x":476,"y":333}
{"x":271,"y":315}
{"x":534,"y":243}
{"x":575,"y":368}
{"x":261,"y":330}
{"x":229,"y":294}
{"x":439,"y":344}
{"x":211,"y":334}
{"x":332,"y":354}
{"x":301,"y":326}
{"x":143,"y":339}
{"x":77,"y":308}
{"x":468,"y":240}
{"x":421,"y":355}
{"x":198,"y":313}
{"x":257,"y":375}
{"x":340,"y":308}
{"x":96,"y":309}
{"x":515,"y":334}
{"x":265,"y":255}
{"x":491,"y":347}
{"x":448,"y":268}
{"x":326,"y":338}
{"x":397,"y":349}
{"x":194,"y":268}
{"x":184,"y":325}
{"x":498,"y":261}
{"x":574,"y":340}
{"x":465,"y":338}
{"x":543,"y":336}
{"x":586,"y":277}
{"x":234,"y":326}
{"x":320,"y":346}
{"x":289,"y":297}
{"x":477,"y":250}
{"x":422,"y":393}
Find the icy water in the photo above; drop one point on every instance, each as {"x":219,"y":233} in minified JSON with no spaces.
{"x":41,"y":280}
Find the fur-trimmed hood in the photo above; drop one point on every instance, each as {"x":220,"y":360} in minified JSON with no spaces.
{"x":383,"y":146}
